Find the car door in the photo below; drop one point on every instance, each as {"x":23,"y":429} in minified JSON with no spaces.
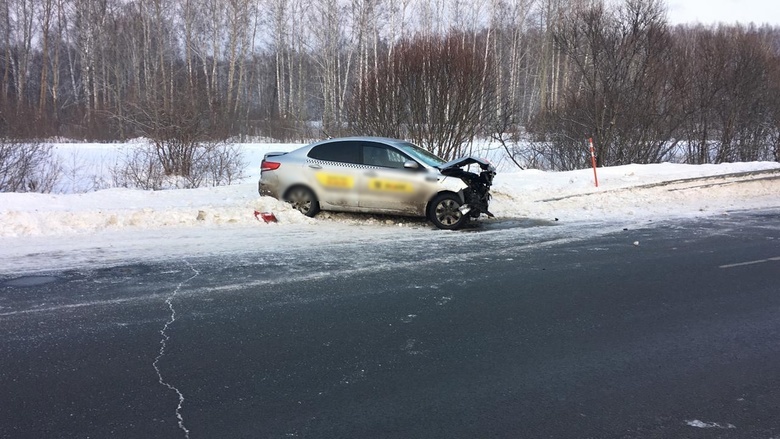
{"x":387,"y":186}
{"x":333,"y":170}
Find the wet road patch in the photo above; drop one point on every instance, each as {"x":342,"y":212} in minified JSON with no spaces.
{"x":30,"y":281}
{"x":506,"y":224}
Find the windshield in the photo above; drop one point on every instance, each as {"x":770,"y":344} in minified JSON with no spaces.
{"x":420,"y":154}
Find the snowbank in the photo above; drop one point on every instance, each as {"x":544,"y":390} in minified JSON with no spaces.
{"x":633,"y":190}
{"x":643,"y":191}
{"x":106,"y":226}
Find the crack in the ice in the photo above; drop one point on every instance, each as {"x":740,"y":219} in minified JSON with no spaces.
{"x":163,"y":344}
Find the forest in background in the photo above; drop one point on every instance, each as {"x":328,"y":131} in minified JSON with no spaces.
{"x":537,"y":76}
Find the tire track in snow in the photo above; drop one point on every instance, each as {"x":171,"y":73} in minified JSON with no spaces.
{"x":163,"y":345}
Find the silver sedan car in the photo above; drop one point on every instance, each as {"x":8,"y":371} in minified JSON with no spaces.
{"x":378,"y":175}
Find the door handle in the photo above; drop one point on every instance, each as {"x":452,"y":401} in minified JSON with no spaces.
{"x":371,"y":174}
{"x":315,"y":166}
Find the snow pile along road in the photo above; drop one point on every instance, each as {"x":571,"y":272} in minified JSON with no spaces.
{"x":663,"y":190}
{"x":117,"y":209}
{"x":655,"y":191}
{"x":111,"y":225}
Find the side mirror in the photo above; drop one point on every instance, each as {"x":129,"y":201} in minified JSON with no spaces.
{"x":411,"y":164}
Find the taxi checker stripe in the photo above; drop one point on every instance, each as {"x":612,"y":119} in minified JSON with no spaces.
{"x":344,"y":164}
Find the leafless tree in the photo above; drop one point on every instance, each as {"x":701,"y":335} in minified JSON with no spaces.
{"x":731,"y":93}
{"x":435,"y":87}
{"x":552,"y":71}
{"x":28,"y":167}
{"x":619,"y":92}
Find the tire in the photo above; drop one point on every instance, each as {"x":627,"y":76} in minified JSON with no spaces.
{"x":303,"y":200}
{"x":444,"y":212}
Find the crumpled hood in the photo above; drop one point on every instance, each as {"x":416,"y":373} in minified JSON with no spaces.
{"x":465,"y":161}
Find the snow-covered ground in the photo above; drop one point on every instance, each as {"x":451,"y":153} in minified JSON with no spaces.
{"x":60,"y":231}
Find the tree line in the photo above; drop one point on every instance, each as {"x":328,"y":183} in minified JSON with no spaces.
{"x":539,"y":76}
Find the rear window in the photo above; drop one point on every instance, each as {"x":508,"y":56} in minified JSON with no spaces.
{"x":345,"y":152}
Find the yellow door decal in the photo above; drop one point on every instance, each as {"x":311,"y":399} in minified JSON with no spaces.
{"x":336,"y":181}
{"x":376,"y":184}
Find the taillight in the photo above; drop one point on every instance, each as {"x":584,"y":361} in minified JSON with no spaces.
{"x":265,"y":165}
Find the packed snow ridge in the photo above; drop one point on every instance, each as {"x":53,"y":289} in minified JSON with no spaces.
{"x":642,"y":191}
{"x":190,"y":221}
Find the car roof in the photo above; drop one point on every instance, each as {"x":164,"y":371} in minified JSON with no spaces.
{"x":387,"y":140}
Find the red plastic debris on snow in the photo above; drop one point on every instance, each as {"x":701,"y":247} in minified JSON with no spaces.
{"x":268,"y":217}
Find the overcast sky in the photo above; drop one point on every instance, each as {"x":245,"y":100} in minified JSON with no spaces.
{"x":727,"y":11}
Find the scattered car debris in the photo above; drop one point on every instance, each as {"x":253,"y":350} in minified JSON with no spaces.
{"x":268,"y":217}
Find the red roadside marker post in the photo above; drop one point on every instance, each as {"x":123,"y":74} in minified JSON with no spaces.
{"x":593,"y":161}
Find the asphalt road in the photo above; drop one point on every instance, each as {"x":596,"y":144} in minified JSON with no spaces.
{"x":489,"y":334}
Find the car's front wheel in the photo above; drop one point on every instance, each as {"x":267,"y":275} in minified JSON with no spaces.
{"x":444,"y":212}
{"x":303,"y":200}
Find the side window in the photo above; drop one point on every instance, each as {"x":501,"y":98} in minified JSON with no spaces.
{"x":345,"y":152}
{"x":380,"y":155}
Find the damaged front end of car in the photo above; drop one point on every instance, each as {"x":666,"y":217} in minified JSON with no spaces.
{"x":476,"y":195}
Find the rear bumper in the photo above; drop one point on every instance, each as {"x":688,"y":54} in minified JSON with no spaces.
{"x":267,"y":188}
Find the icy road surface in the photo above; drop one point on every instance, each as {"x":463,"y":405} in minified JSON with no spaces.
{"x":518,"y":328}
{"x":641,"y":308}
